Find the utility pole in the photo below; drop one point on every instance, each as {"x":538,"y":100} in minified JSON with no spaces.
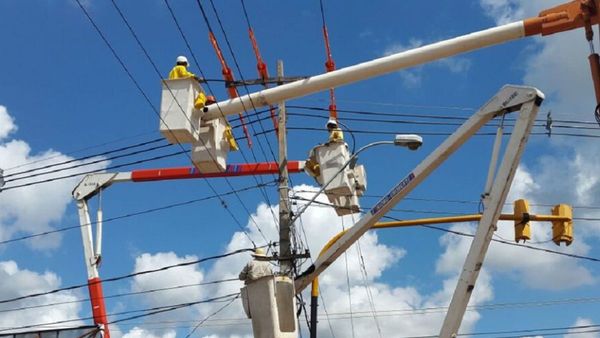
{"x":286,"y":262}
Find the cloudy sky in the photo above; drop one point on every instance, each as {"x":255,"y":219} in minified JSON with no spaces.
{"x":67,"y":106}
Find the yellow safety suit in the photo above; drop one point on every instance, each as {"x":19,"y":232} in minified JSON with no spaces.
{"x":181,"y":72}
{"x":228,"y":134}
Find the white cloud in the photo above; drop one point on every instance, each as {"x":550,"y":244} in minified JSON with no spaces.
{"x":186,"y":275}
{"x":7,"y":123}
{"x":190,"y":274}
{"x":581,"y":332}
{"x":137,"y":332}
{"x":16,"y":282}
{"x":40,"y":207}
{"x":413,"y":78}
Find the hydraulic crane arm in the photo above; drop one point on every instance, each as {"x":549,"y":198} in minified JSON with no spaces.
{"x":508,"y":99}
{"x":93,"y":184}
{"x":572,"y":15}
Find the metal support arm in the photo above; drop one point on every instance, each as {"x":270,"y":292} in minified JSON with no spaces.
{"x":509,"y":98}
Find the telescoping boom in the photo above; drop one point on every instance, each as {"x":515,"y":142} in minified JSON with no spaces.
{"x":572,"y":15}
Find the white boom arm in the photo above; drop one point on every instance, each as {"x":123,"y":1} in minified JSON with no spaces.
{"x":508,"y":99}
{"x":568,"y":16}
{"x":369,"y":69}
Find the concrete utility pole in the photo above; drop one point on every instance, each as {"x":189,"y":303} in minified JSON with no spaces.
{"x":286,"y":262}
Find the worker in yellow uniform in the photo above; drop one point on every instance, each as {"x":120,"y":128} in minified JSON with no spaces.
{"x":180,"y":71}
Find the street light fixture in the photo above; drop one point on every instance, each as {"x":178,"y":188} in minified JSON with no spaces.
{"x":411,"y":141}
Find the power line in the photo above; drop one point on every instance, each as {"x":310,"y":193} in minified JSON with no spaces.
{"x":428,"y":133}
{"x":82,"y":158}
{"x":138,"y":213}
{"x":436,"y":123}
{"x":155,"y":158}
{"x":118,"y":295}
{"x":131,"y":275}
{"x":415,"y":311}
{"x":80,"y":150}
{"x":149,"y":312}
{"x":459,"y":233}
{"x":211,"y":315}
{"x":265,"y":195}
{"x":87,"y":163}
{"x":474,"y":202}
{"x":430,"y":116}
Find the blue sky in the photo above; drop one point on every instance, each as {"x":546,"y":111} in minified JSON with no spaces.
{"x":62,"y":91}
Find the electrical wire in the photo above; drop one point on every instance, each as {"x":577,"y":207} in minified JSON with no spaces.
{"x":130,"y":275}
{"x":427,"y":133}
{"x":82,"y":158}
{"x":155,"y":158}
{"x":474,"y":202}
{"x":149,"y":312}
{"x":217,"y":16}
{"x":412,"y":311}
{"x":211,"y":315}
{"x":365,"y":276}
{"x":435,"y":123}
{"x":263,"y":192}
{"x":137,"y":152}
{"x":80,"y":150}
{"x":119,"y":295}
{"x":592,"y":125}
{"x":137,"y":213}
{"x":349,"y":289}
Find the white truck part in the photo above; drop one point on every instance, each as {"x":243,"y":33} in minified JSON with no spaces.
{"x":209,"y":153}
{"x":179,"y":120}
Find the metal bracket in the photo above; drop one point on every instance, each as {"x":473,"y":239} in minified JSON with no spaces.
{"x":277,"y":80}
{"x":1,"y":179}
{"x":89,"y":186}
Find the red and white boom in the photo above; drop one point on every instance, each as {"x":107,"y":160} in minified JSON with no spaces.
{"x":92,"y":184}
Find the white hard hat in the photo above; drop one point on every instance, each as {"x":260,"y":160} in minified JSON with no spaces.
{"x":259,"y":252}
{"x":332,"y":123}
{"x":181,"y":59}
